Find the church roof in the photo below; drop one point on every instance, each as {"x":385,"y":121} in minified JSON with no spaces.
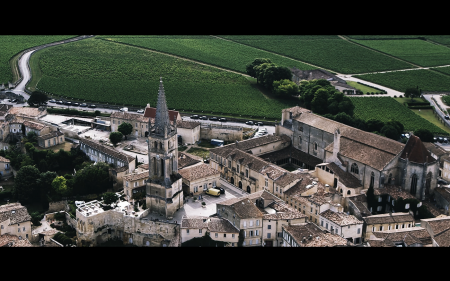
{"x":162,"y":124}
{"x":417,"y":152}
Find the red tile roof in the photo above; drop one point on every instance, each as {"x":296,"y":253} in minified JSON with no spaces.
{"x":151,"y":112}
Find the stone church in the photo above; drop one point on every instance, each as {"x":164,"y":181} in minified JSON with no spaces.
{"x":164,"y":185}
{"x":374,"y":160}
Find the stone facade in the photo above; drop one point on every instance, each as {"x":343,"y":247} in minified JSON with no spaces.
{"x":221,"y":132}
{"x":51,"y":139}
{"x":15,"y":220}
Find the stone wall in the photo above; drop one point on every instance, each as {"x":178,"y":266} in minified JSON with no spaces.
{"x":58,"y":206}
{"x":226,"y":133}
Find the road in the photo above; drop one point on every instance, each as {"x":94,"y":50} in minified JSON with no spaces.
{"x":438,"y":99}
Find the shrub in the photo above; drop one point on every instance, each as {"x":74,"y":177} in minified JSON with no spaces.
{"x":60,"y":217}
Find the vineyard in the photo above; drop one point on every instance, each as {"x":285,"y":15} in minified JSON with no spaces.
{"x":207,"y":49}
{"x":441,"y":39}
{"x":329,"y":52}
{"x":13,"y":44}
{"x":416,"y":51}
{"x":386,"y":108}
{"x":97,"y":70}
{"x":401,"y":80}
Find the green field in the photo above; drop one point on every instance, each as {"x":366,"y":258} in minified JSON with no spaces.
{"x":13,"y":44}
{"x":401,"y":80}
{"x":416,"y":51}
{"x":428,"y":114}
{"x":207,"y":49}
{"x":386,"y":108}
{"x":329,"y":52}
{"x":363,"y":88}
{"x":97,"y":70}
{"x":390,"y":37}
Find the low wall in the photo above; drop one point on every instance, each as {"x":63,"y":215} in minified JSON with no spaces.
{"x":226,"y":133}
{"x":57,"y":206}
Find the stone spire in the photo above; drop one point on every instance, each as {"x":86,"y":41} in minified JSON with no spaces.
{"x":162,"y":121}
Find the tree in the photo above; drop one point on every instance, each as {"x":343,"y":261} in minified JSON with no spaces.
{"x":125,"y":128}
{"x":374,"y":125}
{"x":92,"y":179}
{"x":241,"y":238}
{"x":29,"y":147}
{"x":412,"y":93}
{"x":390,"y":132}
{"x":319,"y":102}
{"x":115,"y":137}
{"x":250,"y":68}
{"x":60,"y":187}
{"x":25,"y":185}
{"x":32,"y":137}
{"x":424,"y":134}
{"x":109,"y":198}
{"x":45,"y":186}
{"x":285,"y":88}
{"x":371,"y":201}
{"x":37,"y":98}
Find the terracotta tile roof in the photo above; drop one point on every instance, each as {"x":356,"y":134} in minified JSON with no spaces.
{"x":49,"y":232}
{"x":3,"y":159}
{"x":345,"y":178}
{"x":15,"y":212}
{"x":143,"y":166}
{"x":130,"y":116}
{"x":443,"y":238}
{"x":394,"y":191}
{"x":210,"y":223}
{"x":283,"y":212}
{"x":27,"y":111}
{"x":380,"y":243}
{"x":291,"y":152}
{"x":243,"y":207}
{"x":438,"y":225}
{"x":186,"y":160}
{"x":262,"y":194}
{"x":50,"y":135}
{"x":8,"y":240}
{"x":107,"y":150}
{"x":364,"y":211}
{"x":417,"y":152}
{"x":151,"y":112}
{"x":340,"y":218}
{"x":435,"y":149}
{"x":198,"y":172}
{"x":318,"y":237}
{"x":296,"y":111}
{"x":433,"y":209}
{"x":408,"y":236}
{"x":120,"y":169}
{"x":187,"y":124}
{"x":389,"y":218}
{"x":138,"y":176}
{"x":33,"y":125}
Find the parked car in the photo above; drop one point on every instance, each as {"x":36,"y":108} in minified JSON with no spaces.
{"x":68,"y":103}
{"x":83,"y":105}
{"x":222,"y":191}
{"x":213,"y":118}
{"x":223,"y":119}
{"x":445,"y":140}
{"x":60,"y":102}
{"x":258,"y":134}
{"x":213,"y":192}
{"x":434,"y":139}
{"x":92,"y":106}
{"x":441,"y":139}
{"x":124,"y":109}
{"x":76,"y":104}
{"x":249,"y":123}
{"x":194,"y":117}
{"x":260,"y":124}
{"x":14,"y":100}
{"x":203,"y":118}
{"x":447,"y":117}
{"x":140,"y":111}
{"x":52,"y":101}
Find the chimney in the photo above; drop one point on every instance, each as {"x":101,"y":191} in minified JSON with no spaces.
{"x":148,"y":105}
{"x":336,"y":144}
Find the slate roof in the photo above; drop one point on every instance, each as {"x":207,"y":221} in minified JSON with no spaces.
{"x":198,"y":172}
{"x":187,"y":124}
{"x":107,"y":150}
{"x":394,"y":191}
{"x":20,"y":213}
{"x":389,"y":218}
{"x":291,"y":152}
{"x":186,"y":160}
{"x":33,"y":125}
{"x":210,"y":223}
{"x":345,"y":178}
{"x":138,"y":176}
{"x":8,"y":240}
{"x":417,"y":152}
{"x":318,"y":237}
{"x":50,"y":135}
{"x":130,"y":116}
{"x":340,"y":218}
{"x":243,"y":207}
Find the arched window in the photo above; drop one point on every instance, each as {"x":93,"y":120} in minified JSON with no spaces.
{"x":413,"y":188}
{"x":156,"y":145}
{"x":315,"y":146}
{"x":299,"y":140}
{"x":354,"y":168}
{"x":390,"y":178}
{"x":349,"y":192}
{"x":154,"y":165}
{"x":372,"y":179}
{"x":162,"y":168}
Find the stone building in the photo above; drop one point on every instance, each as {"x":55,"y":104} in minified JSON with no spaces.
{"x":343,"y":224}
{"x":188,"y":131}
{"x":134,"y":183}
{"x":386,"y":222}
{"x":411,"y":237}
{"x":15,"y":220}
{"x":51,"y":139}
{"x":219,"y":229}
{"x":140,"y":123}
{"x":38,"y":128}
{"x":5,"y":167}
{"x":439,"y":154}
{"x":164,"y":192}
{"x":310,"y":235}
{"x":199,"y":178}
{"x":9,"y":240}
{"x":442,"y":197}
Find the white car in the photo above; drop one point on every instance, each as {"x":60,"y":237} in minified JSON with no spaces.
{"x":140,"y":111}
{"x":258,"y":134}
{"x":123,"y":109}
